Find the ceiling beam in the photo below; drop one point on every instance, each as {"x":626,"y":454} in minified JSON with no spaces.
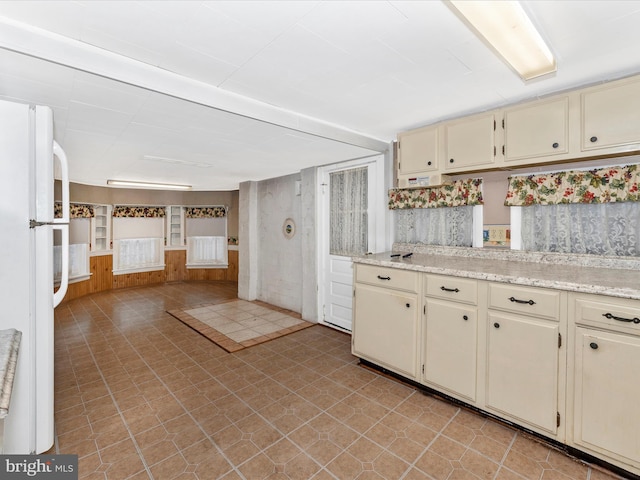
{"x":45,"y":45}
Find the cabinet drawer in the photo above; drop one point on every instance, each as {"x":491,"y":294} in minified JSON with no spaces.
{"x":609,"y":312}
{"x":387,"y":277}
{"x":539,"y":302}
{"x":457,"y":289}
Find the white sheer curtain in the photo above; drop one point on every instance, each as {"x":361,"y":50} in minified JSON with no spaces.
{"x":348,"y":217}
{"x":452,"y":226}
{"x":599,"y":228}
{"x":78,"y":261}
{"x":207,"y":251}
{"x":138,"y":254}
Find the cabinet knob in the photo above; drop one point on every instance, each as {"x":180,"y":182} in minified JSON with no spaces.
{"x":497,"y":325}
{"x":408,"y":305}
{"x":594,"y":345}
{"x":451,"y":160}
{"x":555,"y":145}
{"x":429,"y":163}
{"x":593,"y":139}
{"x":465,"y":317}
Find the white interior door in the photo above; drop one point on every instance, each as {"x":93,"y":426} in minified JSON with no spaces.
{"x":336,"y":272}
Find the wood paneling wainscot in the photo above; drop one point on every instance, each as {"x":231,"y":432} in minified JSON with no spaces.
{"x":101,"y":267}
{"x":102,"y":277}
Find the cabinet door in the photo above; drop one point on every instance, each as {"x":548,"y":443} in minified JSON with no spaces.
{"x":537,"y":130}
{"x":418,"y":150}
{"x":606,"y":392}
{"x":522,"y":369}
{"x":385,"y":328}
{"x":611,"y":115}
{"x":470,"y":142}
{"x":450,"y":347}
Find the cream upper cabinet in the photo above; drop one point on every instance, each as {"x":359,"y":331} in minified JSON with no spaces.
{"x":470,"y":142}
{"x":385,"y":321}
{"x":538,"y":130}
{"x":418,"y":150}
{"x":611,"y":116}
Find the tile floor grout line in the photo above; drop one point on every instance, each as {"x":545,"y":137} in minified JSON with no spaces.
{"x":506,"y":454}
{"x":110,"y":393}
{"x":147,"y":468}
{"x":137,"y":322}
{"x":439,"y":433}
{"x":286,"y":435}
{"x":187,"y":411}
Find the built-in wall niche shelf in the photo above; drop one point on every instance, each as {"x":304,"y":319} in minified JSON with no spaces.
{"x":101,"y":228}
{"x":175,"y":226}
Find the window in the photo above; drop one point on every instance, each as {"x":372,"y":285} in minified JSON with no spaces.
{"x":206,"y":231}
{"x":435,"y":226}
{"x":598,"y":229}
{"x":448,"y":215}
{"x":348,"y":212}
{"x":138,"y":239}
{"x":79,"y":234}
{"x":579,"y":211}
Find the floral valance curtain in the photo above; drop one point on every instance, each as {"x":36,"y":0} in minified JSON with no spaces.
{"x":76,"y":210}
{"x":457,"y":194}
{"x":205,"y":212}
{"x":129,"y":211}
{"x":603,"y":185}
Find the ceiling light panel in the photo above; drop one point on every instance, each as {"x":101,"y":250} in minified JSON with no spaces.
{"x":506,"y":28}
{"x":136,"y":184}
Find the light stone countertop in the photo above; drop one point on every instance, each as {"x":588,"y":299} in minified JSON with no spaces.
{"x":596,"y":275}
{"x":9,"y":346}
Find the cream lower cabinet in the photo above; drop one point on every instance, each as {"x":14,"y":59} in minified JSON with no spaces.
{"x":606,"y":417}
{"x":450,"y":335}
{"x":522,"y":370}
{"x":525,"y":359}
{"x":386,"y":320}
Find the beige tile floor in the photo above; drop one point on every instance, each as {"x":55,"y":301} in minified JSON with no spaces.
{"x":140,"y":395}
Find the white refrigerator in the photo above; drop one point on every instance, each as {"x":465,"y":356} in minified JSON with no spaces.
{"x":27,"y":151}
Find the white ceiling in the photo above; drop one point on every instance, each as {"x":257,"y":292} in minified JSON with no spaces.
{"x":229,"y":91}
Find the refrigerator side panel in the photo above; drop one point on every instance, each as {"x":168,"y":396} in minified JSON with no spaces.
{"x":42,"y":131}
{"x":43,"y":300}
{"x":16,"y":274}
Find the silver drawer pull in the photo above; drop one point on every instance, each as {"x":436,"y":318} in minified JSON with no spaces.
{"x":528,"y":302}
{"x":635,"y":320}
{"x":445,"y":289}
{"x":384,"y":278}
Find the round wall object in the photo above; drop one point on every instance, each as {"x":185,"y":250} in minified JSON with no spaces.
{"x":289,"y":228}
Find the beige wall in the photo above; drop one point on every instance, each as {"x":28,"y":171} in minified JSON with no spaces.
{"x":494,"y":184}
{"x":80,"y":193}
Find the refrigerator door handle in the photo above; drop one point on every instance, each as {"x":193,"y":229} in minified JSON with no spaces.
{"x":64,"y":280}
{"x":64,"y":171}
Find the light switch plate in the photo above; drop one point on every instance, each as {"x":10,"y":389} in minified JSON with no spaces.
{"x":496,"y":236}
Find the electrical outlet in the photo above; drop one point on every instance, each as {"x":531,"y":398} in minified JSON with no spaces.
{"x":497,"y":234}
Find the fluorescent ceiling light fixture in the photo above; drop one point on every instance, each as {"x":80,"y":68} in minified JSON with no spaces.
{"x":133,"y":184}
{"x":507,"y":29}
